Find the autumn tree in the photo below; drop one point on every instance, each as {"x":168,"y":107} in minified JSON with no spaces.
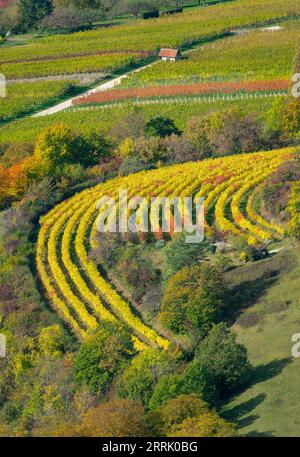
{"x":207,"y":425}
{"x":176,"y":410}
{"x":117,"y":417}
{"x":55,"y":148}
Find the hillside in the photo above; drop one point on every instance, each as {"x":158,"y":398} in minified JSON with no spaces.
{"x":149,"y":220}
{"x":269,"y":407}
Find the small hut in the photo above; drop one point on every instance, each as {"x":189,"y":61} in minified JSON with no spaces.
{"x":169,"y":54}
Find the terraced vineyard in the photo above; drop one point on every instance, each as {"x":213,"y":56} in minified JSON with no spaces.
{"x":75,"y":286}
{"x":57,"y":53}
{"x":254,"y":55}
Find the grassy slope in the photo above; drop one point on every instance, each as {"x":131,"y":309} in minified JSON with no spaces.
{"x":270,"y":405}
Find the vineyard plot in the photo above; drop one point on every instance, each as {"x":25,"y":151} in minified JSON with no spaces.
{"x":72,"y":281}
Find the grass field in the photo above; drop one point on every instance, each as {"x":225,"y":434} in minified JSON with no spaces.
{"x":267,"y":319}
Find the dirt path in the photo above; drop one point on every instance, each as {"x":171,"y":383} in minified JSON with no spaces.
{"x":101,"y":87}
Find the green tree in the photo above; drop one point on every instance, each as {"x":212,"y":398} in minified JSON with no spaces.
{"x":33,"y":11}
{"x":161,"y":126}
{"x":224,"y":357}
{"x":91,"y":150}
{"x":139,"y":379}
{"x":179,"y":254}
{"x":193,"y":299}
{"x":103,"y":356}
{"x":168,"y":386}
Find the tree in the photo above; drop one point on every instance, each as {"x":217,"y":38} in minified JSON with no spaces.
{"x":51,"y":340}
{"x":70,"y":19}
{"x":168,"y":386}
{"x":291,"y":119}
{"x":103,"y":356}
{"x":139,"y":379}
{"x":92,"y":149}
{"x":136,"y":270}
{"x":198,"y":379}
{"x":161,"y":126}
{"x":237,"y":134}
{"x":224,"y":357}
{"x":9,"y":20}
{"x":207,"y":425}
{"x":117,"y":417}
{"x":130,"y":126}
{"x":149,"y":150}
{"x":179,"y":254}
{"x":179,"y":149}
{"x":33,"y":11}
{"x":176,"y":410}
{"x":55,"y":147}
{"x":224,"y":133}
{"x":198,"y":133}
{"x":134,"y":7}
{"x":193,"y":299}
{"x":77,"y":4}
